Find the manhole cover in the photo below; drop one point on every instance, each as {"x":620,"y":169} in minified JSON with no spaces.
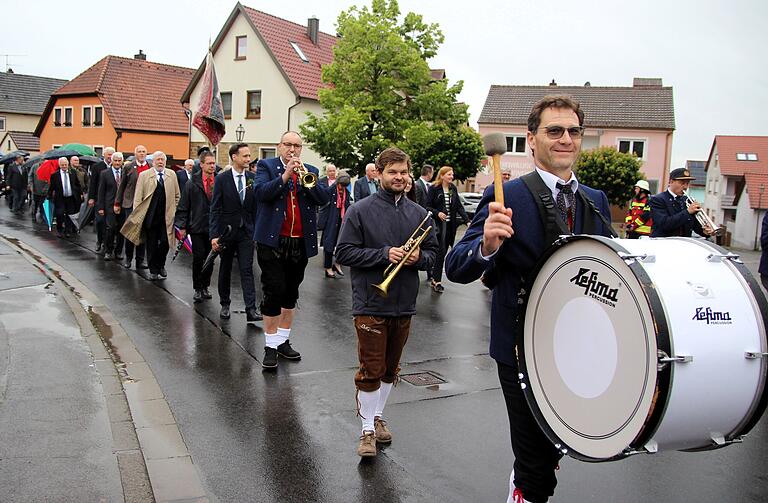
{"x":422,"y":379}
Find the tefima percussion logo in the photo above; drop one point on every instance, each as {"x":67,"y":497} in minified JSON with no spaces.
{"x":712,"y":317}
{"x":594,"y":288}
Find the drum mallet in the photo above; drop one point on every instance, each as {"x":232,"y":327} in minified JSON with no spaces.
{"x":495,"y":145}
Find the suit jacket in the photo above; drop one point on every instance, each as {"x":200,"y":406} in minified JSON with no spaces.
{"x":128,"y":185}
{"x":422,"y":189}
{"x":361,"y":188}
{"x":15,"y":177}
{"x":107,"y":191}
{"x":56,"y":193}
{"x":271,"y":195}
{"x":669,"y":220}
{"x":516,"y":258}
{"x":436,"y":204}
{"x":93,"y":181}
{"x":226,"y":207}
{"x":183,"y":177}
{"x":142,"y":199}
{"x":193,"y":213}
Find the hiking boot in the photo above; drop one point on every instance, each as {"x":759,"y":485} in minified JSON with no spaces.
{"x":383,"y":435}
{"x":286,"y":351}
{"x":367,"y":446}
{"x":270,"y":358}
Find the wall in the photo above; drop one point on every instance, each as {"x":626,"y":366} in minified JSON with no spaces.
{"x":19,"y":122}
{"x":714,"y":187}
{"x":747,"y":223}
{"x":172,"y":145}
{"x":298,"y":117}
{"x":100,"y":136}
{"x":655,"y":166}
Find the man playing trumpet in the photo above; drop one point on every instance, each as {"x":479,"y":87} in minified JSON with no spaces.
{"x":378,"y":231}
{"x":671,"y":213}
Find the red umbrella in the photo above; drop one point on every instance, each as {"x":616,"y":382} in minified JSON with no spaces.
{"x":46,"y":169}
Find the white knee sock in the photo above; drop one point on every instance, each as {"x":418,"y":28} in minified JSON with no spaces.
{"x":283,"y":334}
{"x":384,"y":390}
{"x":368,"y":400}
{"x":273,"y":340}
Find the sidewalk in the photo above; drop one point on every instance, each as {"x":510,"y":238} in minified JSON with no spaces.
{"x":60,"y":398}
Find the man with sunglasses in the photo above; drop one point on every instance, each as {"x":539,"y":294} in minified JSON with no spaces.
{"x":504,"y":243}
{"x":286,"y":237}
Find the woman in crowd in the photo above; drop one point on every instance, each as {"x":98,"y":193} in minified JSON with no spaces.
{"x":444,"y":203}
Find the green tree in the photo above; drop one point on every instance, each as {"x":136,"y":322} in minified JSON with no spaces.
{"x":611,"y":171}
{"x":381,"y":94}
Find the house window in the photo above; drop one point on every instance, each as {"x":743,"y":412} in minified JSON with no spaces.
{"x":68,"y":117}
{"x":636,"y":147}
{"x":746,"y":157}
{"x":2,"y":123}
{"x":253,"y":106}
{"x":516,"y":144}
{"x":299,"y":52}
{"x":98,"y":116}
{"x":267,"y":153}
{"x":99,"y":149}
{"x":226,"y":104}
{"x":56,"y":145}
{"x":57,"y":117}
{"x":241,"y":47}
{"x":86,"y":116}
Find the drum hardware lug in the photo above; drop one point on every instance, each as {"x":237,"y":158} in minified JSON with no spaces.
{"x":643,"y":257}
{"x":718,"y":439}
{"x":664,"y":359}
{"x":652,"y":447}
{"x":719,"y":257}
{"x":753,"y":355}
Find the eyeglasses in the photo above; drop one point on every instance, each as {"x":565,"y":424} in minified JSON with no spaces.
{"x":294,"y":145}
{"x":556,"y":132}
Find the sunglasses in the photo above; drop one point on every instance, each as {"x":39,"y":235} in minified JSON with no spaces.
{"x":556,"y":132}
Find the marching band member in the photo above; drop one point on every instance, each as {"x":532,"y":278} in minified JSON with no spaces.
{"x":373,"y":236}
{"x":671,"y":214}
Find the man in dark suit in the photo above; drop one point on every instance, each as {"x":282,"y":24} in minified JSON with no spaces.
{"x":65,"y":193}
{"x":183,"y":175}
{"x":17,"y":181}
{"x":93,"y":189}
{"x":286,"y":236}
{"x":554,"y":136}
{"x":193,"y":218}
{"x":109,"y":181}
{"x":423,"y":183}
{"x":669,"y":210}
{"x":233,"y":207}
{"x":368,"y":184}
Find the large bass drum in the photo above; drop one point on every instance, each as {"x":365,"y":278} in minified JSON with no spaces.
{"x":643,"y":345}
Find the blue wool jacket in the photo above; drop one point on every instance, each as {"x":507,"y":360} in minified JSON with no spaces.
{"x":520,"y":254}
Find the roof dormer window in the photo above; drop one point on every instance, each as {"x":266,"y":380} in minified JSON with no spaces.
{"x":299,"y":52}
{"x":743,"y":156}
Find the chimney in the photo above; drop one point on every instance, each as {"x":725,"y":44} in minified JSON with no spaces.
{"x":553,"y":83}
{"x":140,"y":55}
{"x":587,"y":84}
{"x":646,"y":82}
{"x":313,"y":29}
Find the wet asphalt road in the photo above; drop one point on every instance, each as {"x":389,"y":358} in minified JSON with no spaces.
{"x":290,"y":436}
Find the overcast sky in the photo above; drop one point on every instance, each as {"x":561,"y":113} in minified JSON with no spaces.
{"x":711,"y":52}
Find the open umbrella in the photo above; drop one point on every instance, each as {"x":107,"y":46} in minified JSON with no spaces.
{"x":31,"y":163}
{"x":46,"y":169}
{"x":89,"y":159}
{"x":9,"y":158}
{"x":79,"y":148}
{"x":59,"y":152}
{"x":48,"y":212}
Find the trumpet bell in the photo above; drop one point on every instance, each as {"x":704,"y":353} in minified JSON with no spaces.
{"x":309,"y":180}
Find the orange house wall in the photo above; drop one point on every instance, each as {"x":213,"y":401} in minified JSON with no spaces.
{"x":172,"y":144}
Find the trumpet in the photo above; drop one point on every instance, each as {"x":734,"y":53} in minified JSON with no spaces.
{"x":409,"y":247}
{"x":702,"y":217}
{"x":307,"y":178}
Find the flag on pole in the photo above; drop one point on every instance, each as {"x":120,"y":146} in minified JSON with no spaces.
{"x":209,"y":117}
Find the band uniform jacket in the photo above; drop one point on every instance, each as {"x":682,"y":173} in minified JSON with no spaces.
{"x":671,"y":217}
{"x":56,"y":193}
{"x":517,"y":255}
{"x":271,"y":194}
{"x":145,"y":188}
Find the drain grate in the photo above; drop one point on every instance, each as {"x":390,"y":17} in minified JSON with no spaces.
{"x":422,"y":379}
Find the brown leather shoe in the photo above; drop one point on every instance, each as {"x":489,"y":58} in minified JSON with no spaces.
{"x":383,"y":435}
{"x":367,"y":446}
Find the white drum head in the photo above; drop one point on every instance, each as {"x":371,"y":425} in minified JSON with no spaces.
{"x":589,"y":351}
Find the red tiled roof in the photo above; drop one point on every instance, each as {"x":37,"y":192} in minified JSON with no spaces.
{"x":25,"y":140}
{"x":278,"y":34}
{"x":729,"y":146}
{"x":754,"y":182}
{"x":136,"y":94}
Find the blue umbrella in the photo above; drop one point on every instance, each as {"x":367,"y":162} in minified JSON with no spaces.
{"x":48,"y":212}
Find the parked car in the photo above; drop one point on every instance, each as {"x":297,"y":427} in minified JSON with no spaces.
{"x":470,"y":200}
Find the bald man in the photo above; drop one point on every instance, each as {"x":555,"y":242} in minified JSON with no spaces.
{"x":368,"y":184}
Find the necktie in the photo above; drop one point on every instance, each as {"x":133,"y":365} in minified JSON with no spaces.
{"x":117,"y":177}
{"x":67,"y":190}
{"x":566,"y":203}
{"x":240,"y":190}
{"x":160,"y":178}
{"x":208,"y":183}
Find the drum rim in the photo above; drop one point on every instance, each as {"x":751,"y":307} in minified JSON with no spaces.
{"x":664,"y":377}
{"x":760,"y":406}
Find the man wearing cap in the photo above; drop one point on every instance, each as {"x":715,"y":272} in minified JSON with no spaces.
{"x":670,"y":213}
{"x":638,"y":221}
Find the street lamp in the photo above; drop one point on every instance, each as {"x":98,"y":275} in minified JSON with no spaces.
{"x":239,"y":133}
{"x":761,"y":189}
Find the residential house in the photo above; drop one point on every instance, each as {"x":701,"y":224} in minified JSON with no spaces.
{"x":737,"y":179}
{"x":22,"y":102}
{"x":697,"y":187}
{"x":269,"y":71}
{"x":120,"y":102}
{"x":638,"y":119}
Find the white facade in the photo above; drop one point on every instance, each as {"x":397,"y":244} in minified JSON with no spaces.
{"x":746,"y":228}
